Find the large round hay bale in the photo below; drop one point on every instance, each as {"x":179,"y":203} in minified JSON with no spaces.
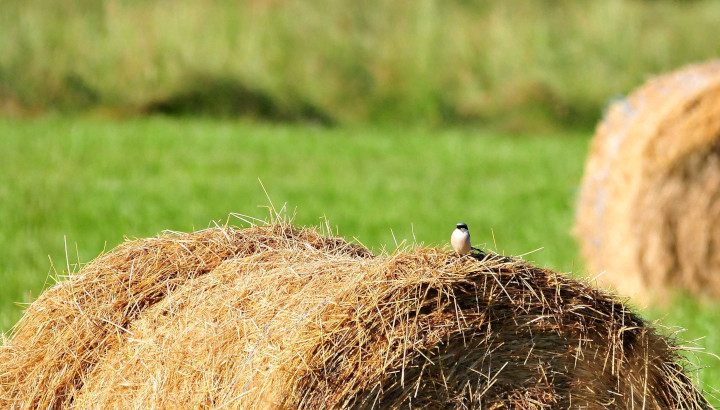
{"x":279,"y":317}
{"x":649,"y":209}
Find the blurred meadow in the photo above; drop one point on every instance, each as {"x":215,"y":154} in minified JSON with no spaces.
{"x":392,"y":119}
{"x":524,"y":64}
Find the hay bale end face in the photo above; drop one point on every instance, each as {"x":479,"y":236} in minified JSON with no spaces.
{"x":649,"y":208}
{"x":281,"y":317}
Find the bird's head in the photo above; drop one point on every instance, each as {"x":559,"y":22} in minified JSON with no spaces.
{"x":462,"y":226}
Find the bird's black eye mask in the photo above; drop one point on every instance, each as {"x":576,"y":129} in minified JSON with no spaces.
{"x":461,"y":226}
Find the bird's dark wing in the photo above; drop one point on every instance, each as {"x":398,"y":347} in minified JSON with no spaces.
{"x":477,"y":253}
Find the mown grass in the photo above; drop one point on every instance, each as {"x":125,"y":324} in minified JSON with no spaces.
{"x":525,"y":64}
{"x":83,"y":184}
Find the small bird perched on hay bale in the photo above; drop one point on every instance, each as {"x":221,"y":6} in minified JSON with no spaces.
{"x":460,"y":240}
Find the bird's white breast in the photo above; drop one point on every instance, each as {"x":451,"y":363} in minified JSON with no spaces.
{"x":460,"y":241}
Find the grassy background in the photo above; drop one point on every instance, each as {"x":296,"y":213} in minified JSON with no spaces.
{"x":88,"y":182}
{"x":525,"y":64}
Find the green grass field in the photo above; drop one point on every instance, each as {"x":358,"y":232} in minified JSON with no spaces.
{"x":73,"y":187}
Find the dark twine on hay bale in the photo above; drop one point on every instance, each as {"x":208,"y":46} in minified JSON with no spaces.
{"x":280,"y":317}
{"x":649,"y":208}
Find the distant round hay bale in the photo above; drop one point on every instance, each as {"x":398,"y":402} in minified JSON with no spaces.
{"x":649,"y":209}
{"x":280,"y":317}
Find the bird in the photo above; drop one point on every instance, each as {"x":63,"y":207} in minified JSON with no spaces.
{"x":460,"y":240}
